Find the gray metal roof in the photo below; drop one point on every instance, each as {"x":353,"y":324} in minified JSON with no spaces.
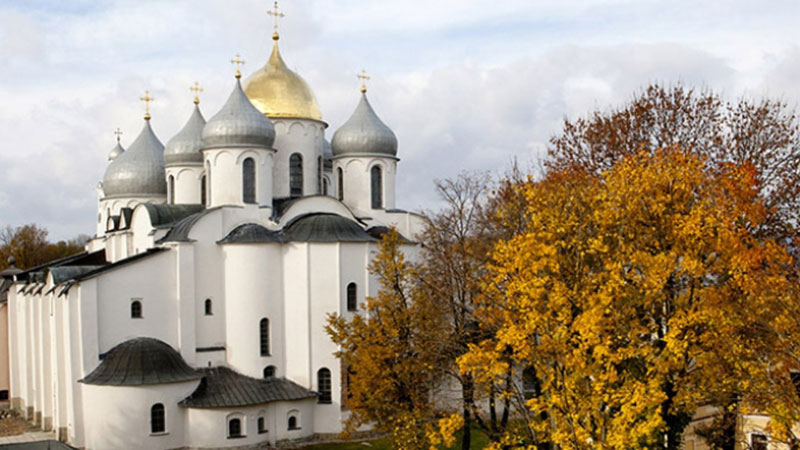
{"x":116,"y":151}
{"x":64,"y":273}
{"x":251,"y":233}
{"x":364,"y":133}
{"x":184,"y":147}
{"x":222,"y":387}
{"x":238,"y":124}
{"x":325,"y":227}
{"x":140,"y":170}
{"x":163,"y":214}
{"x":180,"y":231}
{"x":141,"y":361}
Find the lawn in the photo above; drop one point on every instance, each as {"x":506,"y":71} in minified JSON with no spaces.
{"x":479,"y":441}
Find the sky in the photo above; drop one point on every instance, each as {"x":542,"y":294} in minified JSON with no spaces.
{"x":465,"y":85}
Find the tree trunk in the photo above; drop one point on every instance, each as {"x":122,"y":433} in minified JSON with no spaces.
{"x":468,"y":393}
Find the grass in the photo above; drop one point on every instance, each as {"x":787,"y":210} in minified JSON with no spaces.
{"x":479,"y":441}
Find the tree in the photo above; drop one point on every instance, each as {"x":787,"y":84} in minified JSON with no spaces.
{"x":28,"y":244}
{"x":390,"y":353}
{"x":634,"y":292}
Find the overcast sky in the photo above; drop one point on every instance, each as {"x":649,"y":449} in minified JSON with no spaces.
{"x":465,"y":85}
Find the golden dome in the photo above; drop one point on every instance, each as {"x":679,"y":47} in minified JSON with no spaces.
{"x":278,"y":92}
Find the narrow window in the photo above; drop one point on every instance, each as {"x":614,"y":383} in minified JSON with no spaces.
{"x":235,"y":428}
{"x":324,"y":186}
{"x":340,"y":182}
{"x":208,"y":307}
{"x":136,"y":309}
{"x":269,"y":372}
{"x":157,"y":419}
{"x":171,"y":189}
{"x":296,"y":175}
{"x":352,"y":301}
{"x":319,"y":174}
{"x":249,"y":181}
{"x":293,"y":423}
{"x":758,"y":441}
{"x":261,"y":426}
{"x":264,"y":336}
{"x":203,"y":197}
{"x":324,"y":385}
{"x":376,"y":181}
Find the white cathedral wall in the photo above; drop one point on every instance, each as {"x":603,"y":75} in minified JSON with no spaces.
{"x":187,"y":183}
{"x":118,"y":417}
{"x":253,"y":276}
{"x":224,"y":175}
{"x":357,"y":180}
{"x":296,"y":312}
{"x":303,"y":136}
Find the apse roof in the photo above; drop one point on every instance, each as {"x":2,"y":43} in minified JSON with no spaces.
{"x":141,"y":361}
{"x":325,"y":227}
{"x":222,"y":387}
{"x":251,"y":233}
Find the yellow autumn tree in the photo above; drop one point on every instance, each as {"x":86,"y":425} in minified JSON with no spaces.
{"x":635,"y":295}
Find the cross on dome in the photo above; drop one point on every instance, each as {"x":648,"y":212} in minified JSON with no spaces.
{"x":238,"y":61}
{"x":118,"y":134}
{"x":146,"y":99}
{"x":363,"y":77}
{"x":276,"y":15}
{"x":197,"y":90}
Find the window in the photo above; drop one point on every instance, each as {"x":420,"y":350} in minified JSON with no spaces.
{"x":531,"y":386}
{"x":294,"y":420}
{"x":235,"y":428}
{"x":340,"y":182}
{"x":324,"y":186}
{"x":352,"y":301}
{"x":136,"y":309}
{"x":262,"y":428}
{"x":263,"y":330}
{"x":209,"y":307}
{"x":758,"y":441}
{"x":324,"y":385}
{"x":376,"y":182}
{"x":249,"y":181}
{"x":157,"y":419}
{"x":171,"y":189}
{"x":269,"y":372}
{"x":319,"y":174}
{"x":203,"y":198}
{"x":4,"y":394}
{"x":295,"y":175}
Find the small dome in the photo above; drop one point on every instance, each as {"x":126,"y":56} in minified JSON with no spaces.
{"x":238,"y":124}
{"x":364,"y":133}
{"x":185,"y":146}
{"x":116,"y":151}
{"x":141,"y":361}
{"x":138,"y":171}
{"x":279,"y":92}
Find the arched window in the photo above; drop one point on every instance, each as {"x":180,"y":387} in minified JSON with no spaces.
{"x":352,"y":300}
{"x":296,"y":175}
{"x":340,"y":182}
{"x":136,"y":309}
{"x":209,"y":307}
{"x":263,"y":330}
{"x":376,"y":182}
{"x":249,"y":181}
{"x":171,"y":189}
{"x":319,"y":174}
{"x":324,"y":186}
{"x":262,"y":427}
{"x":203,"y":197}
{"x":294,"y":423}
{"x":269,"y":372}
{"x":235,"y":428}
{"x":158,"y":422}
{"x":324,"y":385}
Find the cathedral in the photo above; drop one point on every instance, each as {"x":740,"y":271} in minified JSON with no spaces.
{"x":195,"y":318}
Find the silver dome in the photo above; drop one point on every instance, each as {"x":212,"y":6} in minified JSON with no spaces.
{"x":140,"y":170}
{"x":238,"y":124}
{"x":364,"y":132}
{"x":116,"y":151}
{"x":185,"y":146}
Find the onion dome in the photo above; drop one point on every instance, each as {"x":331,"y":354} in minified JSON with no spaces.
{"x":238,"y":124}
{"x":364,"y":133}
{"x":116,"y":151}
{"x":139,"y":171}
{"x":279,"y":92}
{"x":185,"y":146}
{"x":141,"y":361}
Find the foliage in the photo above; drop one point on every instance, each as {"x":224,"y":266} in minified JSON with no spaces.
{"x":28,"y":244}
{"x":633,"y":293}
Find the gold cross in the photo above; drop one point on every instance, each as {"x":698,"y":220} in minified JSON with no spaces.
{"x":197,"y":90}
{"x":276,"y":15}
{"x":363,"y":77}
{"x":146,"y":99}
{"x":118,"y":134}
{"x":238,"y":61}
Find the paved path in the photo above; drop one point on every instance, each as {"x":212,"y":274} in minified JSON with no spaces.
{"x":31,"y":436}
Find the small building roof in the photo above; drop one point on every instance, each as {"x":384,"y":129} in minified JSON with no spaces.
{"x":141,"y":361}
{"x":164,"y":215}
{"x":222,"y":387}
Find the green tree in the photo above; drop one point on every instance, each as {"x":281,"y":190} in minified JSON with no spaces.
{"x":28,"y":244}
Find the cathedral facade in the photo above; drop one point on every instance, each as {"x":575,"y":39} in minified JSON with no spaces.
{"x":195,"y":318}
